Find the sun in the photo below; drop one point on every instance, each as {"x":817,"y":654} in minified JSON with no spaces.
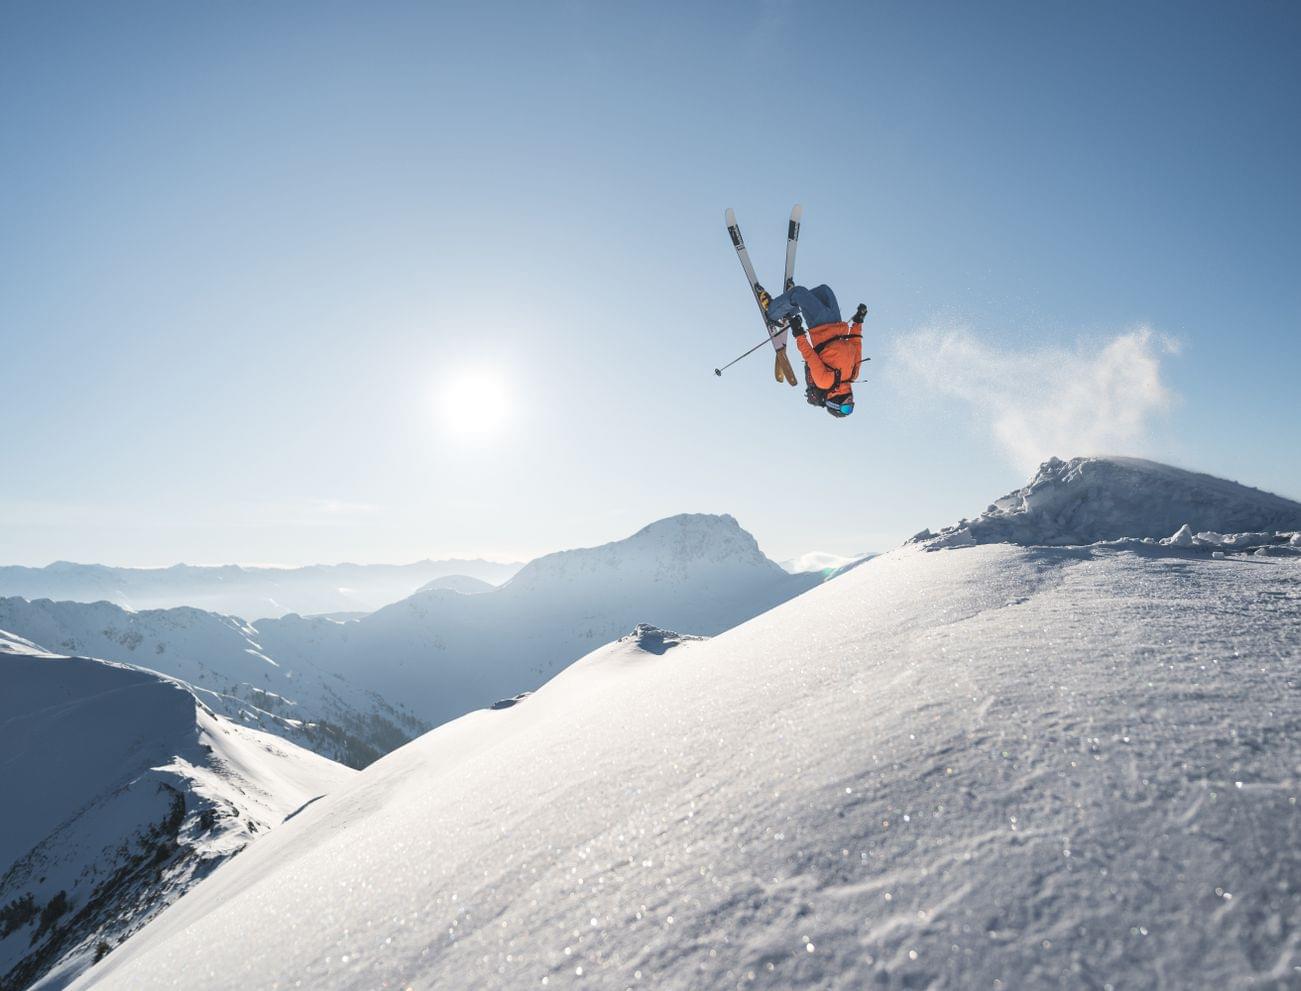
{"x":472,"y":406}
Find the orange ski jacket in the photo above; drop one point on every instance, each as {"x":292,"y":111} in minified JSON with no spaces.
{"x":833,"y":352}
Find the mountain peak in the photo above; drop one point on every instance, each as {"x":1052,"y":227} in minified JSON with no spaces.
{"x":672,"y":549}
{"x":1087,"y":500}
{"x":704,"y":522}
{"x":700,"y":535}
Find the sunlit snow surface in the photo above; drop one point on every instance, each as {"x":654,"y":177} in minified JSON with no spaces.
{"x":1050,"y":767}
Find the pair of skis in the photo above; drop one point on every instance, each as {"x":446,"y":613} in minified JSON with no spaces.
{"x":776,"y":330}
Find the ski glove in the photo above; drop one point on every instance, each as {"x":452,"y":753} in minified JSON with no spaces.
{"x":797,"y":326}
{"x":860,"y":313}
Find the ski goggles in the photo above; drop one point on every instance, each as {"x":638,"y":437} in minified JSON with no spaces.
{"x":839,"y":409}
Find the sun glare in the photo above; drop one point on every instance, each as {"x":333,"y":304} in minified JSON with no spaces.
{"x":469,"y":408}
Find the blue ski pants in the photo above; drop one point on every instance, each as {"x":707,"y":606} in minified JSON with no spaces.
{"x":818,"y":305}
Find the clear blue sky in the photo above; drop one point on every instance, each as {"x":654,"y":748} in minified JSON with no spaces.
{"x":263,"y":265}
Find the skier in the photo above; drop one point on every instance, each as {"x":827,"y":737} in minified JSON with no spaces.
{"x":832,"y":350}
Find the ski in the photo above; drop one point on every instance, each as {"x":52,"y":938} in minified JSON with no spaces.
{"x":792,"y":242}
{"x":784,"y":371}
{"x":761,"y":296}
{"x":776,"y":332}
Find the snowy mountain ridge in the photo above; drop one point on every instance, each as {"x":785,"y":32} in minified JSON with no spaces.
{"x":131,"y":791}
{"x":220,"y":658}
{"x":1088,"y":500}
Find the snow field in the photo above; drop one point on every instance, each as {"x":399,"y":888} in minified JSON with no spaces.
{"x":1045,"y":767}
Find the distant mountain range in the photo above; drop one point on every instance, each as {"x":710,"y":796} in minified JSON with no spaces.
{"x":353,"y":690}
{"x":252,"y":593}
{"x":444,"y":653}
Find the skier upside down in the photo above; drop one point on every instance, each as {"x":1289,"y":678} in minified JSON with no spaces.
{"x":832,"y":349}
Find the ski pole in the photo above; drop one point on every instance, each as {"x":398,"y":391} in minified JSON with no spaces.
{"x":766,"y":340}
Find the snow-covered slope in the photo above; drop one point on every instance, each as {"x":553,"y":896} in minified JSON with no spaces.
{"x":1000,"y":766}
{"x":120,"y":791}
{"x":248,"y":592}
{"x":444,"y":654}
{"x":220,"y":657}
{"x":1085,"y":500}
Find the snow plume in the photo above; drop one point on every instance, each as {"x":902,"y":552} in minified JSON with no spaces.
{"x":1038,"y":403}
